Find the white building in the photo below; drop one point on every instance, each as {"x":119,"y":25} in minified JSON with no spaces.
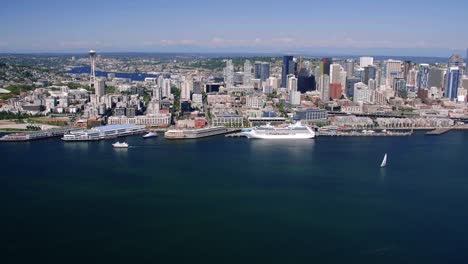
{"x":366,"y":61}
{"x":186,"y":88}
{"x":324,"y":87}
{"x":362,"y":94}
{"x":292,"y":83}
{"x":166,"y":88}
{"x":147,"y":120}
{"x":335,"y":70}
{"x":295,"y":98}
{"x":247,"y":81}
{"x":100,"y":87}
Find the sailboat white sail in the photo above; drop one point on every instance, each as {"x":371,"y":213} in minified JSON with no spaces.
{"x":384,"y":161}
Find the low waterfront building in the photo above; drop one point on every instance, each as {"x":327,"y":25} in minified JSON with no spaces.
{"x":314,"y":114}
{"x":159,"y":120}
{"x":231,"y":120}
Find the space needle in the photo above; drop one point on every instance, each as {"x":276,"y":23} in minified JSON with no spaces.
{"x":92,"y":60}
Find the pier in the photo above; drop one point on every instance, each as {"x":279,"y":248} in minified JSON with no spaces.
{"x":438,"y":131}
{"x":361,"y":134}
{"x":43,"y":134}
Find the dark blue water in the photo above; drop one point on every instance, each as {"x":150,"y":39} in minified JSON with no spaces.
{"x":133,"y":76}
{"x":220,"y":200}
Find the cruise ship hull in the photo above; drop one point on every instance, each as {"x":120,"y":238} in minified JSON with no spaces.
{"x":260,"y":136}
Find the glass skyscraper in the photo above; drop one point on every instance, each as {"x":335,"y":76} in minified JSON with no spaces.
{"x":451,"y":84}
{"x":288,"y":68}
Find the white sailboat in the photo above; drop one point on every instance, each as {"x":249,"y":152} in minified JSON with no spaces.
{"x":384,"y":161}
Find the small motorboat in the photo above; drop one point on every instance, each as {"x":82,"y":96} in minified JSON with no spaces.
{"x":150,"y":135}
{"x":120,"y":145}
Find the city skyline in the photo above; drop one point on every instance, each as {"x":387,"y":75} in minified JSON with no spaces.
{"x":257,"y":27}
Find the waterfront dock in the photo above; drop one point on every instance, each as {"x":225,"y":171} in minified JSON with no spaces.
{"x":438,"y":131}
{"x":361,"y":134}
{"x":42,"y":134}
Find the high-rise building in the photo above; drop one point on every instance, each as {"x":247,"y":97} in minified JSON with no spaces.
{"x":247,"y":73}
{"x":265,"y":72}
{"x":399,"y":85}
{"x":324,"y":87}
{"x":369,"y":73}
{"x":186,"y":88}
{"x":305,"y":81}
{"x":350,"y":82}
{"x":100,"y":87}
{"x":349,"y":68}
{"x":335,"y":70}
{"x":295,"y":97}
{"x":362,"y":94}
{"x":325,"y":64}
{"x":436,"y":77}
{"x":166,"y":88}
{"x":393,"y":70}
{"x":229,"y":74}
{"x":257,"y":69}
{"x":406,"y":68}
{"x":456,"y":60}
{"x":452,"y":83}
{"x":335,"y":91}
{"x":372,"y":84}
{"x":366,"y":61}
{"x":288,"y":68}
{"x":423,"y":76}
{"x":157,"y":93}
{"x":292,"y":83}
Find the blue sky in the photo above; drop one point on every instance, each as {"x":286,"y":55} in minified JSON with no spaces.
{"x":416,"y":27}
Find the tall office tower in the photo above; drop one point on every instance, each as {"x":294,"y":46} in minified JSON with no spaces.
{"x":350,"y":82}
{"x":166,"y":88}
{"x":407,"y":66}
{"x":393,"y":70}
{"x":324,"y":87}
{"x":412,"y":77}
{"x":335,"y":70}
{"x":257,"y":69}
{"x":436,"y":77}
{"x":343,"y":76}
{"x":369,"y":73}
{"x":359,"y":73}
{"x":366,"y":61}
{"x":186,"y":88}
{"x":229,"y":74}
{"x":372,"y":84}
{"x":265,"y":71}
{"x":100,"y":87}
{"x":92,"y":60}
{"x":349,"y":68}
{"x":456,"y":60}
{"x":423,"y":76}
{"x":400,"y":88}
{"x":247,"y":81}
{"x":317,"y":72}
{"x":160,"y":81}
{"x":292,"y":83}
{"x":452,"y":82}
{"x":288,"y":68}
{"x":326,"y":62}
{"x":305,"y":81}
{"x":157,"y":96}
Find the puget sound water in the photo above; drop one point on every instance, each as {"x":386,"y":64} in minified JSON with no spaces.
{"x":234,"y":200}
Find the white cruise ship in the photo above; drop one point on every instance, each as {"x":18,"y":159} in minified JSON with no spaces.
{"x":296,"y":131}
{"x":104,"y":132}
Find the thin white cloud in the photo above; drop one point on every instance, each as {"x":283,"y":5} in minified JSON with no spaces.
{"x":169,"y":42}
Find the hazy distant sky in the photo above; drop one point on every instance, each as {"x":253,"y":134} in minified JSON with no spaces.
{"x":397,"y":27}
